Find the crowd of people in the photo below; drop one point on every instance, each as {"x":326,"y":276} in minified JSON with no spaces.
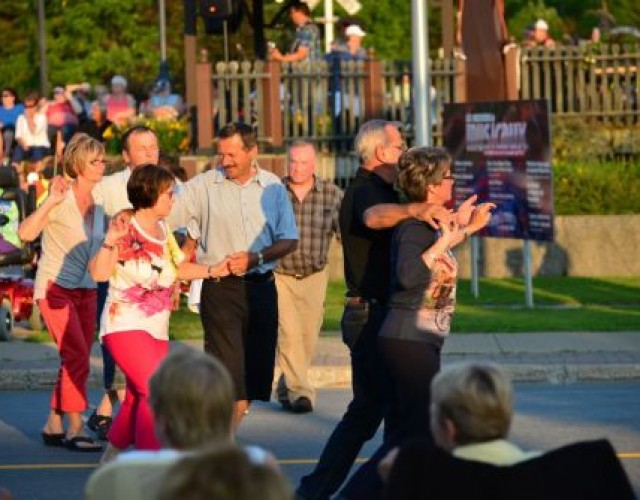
{"x":260,"y":244}
{"x":36,"y":127}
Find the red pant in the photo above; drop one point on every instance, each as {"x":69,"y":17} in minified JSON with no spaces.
{"x":70,"y":316}
{"x":138,"y":354}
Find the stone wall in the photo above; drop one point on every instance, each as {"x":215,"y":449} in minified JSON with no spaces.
{"x":601,"y":245}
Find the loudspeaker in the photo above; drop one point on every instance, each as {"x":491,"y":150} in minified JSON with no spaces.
{"x":216,"y":12}
{"x":217,"y":9}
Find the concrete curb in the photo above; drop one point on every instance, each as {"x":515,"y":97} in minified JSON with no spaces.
{"x":340,"y":376}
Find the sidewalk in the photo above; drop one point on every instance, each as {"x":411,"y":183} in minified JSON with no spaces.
{"x":530,"y":357}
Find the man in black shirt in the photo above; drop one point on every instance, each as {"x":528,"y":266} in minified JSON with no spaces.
{"x":368,"y":213}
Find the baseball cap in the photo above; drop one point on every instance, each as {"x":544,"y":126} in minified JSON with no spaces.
{"x":541,"y":24}
{"x":354,"y":30}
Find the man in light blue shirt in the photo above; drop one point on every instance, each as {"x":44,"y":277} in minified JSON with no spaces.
{"x":242,"y":214}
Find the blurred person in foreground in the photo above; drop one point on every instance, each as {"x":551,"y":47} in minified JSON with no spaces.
{"x":223,"y":473}
{"x":471,"y":413}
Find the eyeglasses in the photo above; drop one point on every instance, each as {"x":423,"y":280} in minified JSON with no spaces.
{"x":97,"y":161}
{"x":400,"y":147}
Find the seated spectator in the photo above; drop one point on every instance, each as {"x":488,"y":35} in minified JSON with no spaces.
{"x":540,"y":36}
{"x":223,"y":473}
{"x":163,"y":103}
{"x":120,"y":106}
{"x":60,"y":116}
{"x":79,"y":99}
{"x":31,"y":135}
{"x":96,"y":123}
{"x":471,"y":411}
{"x":9,"y":111}
{"x":192,"y":398}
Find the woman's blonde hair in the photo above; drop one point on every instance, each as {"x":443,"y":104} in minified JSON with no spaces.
{"x":476,"y":397}
{"x":192,"y":398}
{"x":223,"y":472}
{"x":79,"y":152}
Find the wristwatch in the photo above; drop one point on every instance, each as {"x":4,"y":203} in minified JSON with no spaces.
{"x":260,"y":259}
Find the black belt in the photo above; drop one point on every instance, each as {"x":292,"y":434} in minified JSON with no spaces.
{"x":360,"y":302}
{"x":299,"y":276}
{"x":249,"y":278}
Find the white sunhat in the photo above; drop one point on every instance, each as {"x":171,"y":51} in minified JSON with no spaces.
{"x":119,"y":80}
{"x":354,"y":30}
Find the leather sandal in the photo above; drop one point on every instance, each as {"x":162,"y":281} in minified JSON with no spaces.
{"x":53,"y":439}
{"x":100,"y":424}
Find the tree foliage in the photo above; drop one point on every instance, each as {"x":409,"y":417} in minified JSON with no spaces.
{"x":93,"y":40}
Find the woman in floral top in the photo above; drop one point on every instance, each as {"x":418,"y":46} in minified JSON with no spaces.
{"x":142,"y":261}
{"x":423,"y":286}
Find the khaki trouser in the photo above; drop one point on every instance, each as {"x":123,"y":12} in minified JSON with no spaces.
{"x":300,"y":314}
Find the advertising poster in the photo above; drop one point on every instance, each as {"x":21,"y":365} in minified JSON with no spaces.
{"x":501,"y":152}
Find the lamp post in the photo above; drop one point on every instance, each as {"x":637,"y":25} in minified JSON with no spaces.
{"x":42,"y":49}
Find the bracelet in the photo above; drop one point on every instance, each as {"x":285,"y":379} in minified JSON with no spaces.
{"x":107,"y":246}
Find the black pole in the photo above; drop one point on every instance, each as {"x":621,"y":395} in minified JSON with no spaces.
{"x":259,"y":42}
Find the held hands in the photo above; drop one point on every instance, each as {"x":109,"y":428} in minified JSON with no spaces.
{"x":239,"y":263}
{"x":221,"y":269}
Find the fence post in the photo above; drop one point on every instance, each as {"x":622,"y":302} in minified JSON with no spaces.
{"x":271,"y":104}
{"x":511,"y":62}
{"x":460,"y":79}
{"x":373,"y":97}
{"x":205,"y":102}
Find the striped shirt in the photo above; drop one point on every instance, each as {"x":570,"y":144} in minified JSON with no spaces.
{"x":317,"y":221}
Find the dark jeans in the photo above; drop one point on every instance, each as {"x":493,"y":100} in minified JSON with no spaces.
{"x":371,"y":396}
{"x":109,"y":364}
{"x":411,"y":366}
{"x":240,"y":320}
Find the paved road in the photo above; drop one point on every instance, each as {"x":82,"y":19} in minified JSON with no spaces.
{"x":546,"y":416}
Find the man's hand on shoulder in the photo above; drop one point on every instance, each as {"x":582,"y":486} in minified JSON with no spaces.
{"x":432,"y":213}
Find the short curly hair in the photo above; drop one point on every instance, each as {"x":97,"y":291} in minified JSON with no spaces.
{"x":146,"y":184}
{"x":420,"y":167}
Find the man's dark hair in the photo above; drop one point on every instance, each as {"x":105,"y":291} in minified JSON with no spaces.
{"x":146,"y":184}
{"x":137,"y":129}
{"x":301,"y":7}
{"x":246,"y":133}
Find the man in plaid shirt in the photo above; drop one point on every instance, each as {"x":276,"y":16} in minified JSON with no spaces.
{"x":301,"y":276}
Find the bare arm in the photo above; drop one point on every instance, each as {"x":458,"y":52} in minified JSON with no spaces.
{"x":192,"y":271}
{"x":32,"y":226}
{"x":299,"y":55}
{"x":387,"y":215}
{"x":103,"y":263}
{"x":241,"y":262}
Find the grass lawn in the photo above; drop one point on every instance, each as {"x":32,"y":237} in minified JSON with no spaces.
{"x":561,"y":304}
